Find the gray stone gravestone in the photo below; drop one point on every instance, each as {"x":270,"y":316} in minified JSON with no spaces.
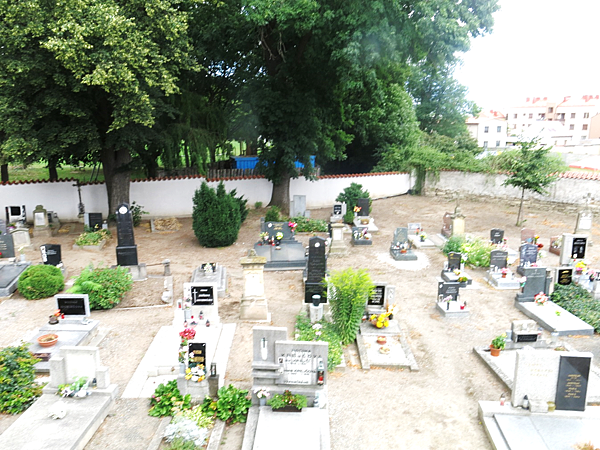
{"x":524,"y":331}
{"x":316,"y":269}
{"x":298,"y":206}
{"x":9,"y":277}
{"x":364,"y":205}
{"x":203,"y":297}
{"x":339,"y":210}
{"x":447,"y":225}
{"x":126,"y":248}
{"x":538,"y":280}
{"x":564,"y":276}
{"x":51,"y":254}
{"x":448,"y":289}
{"x":361,"y":236}
{"x":498,"y":259}
{"x":573,"y":378}
{"x":585,"y":218}
{"x":528,"y":254}
{"x":527,"y":236}
{"x":40,"y":217}
{"x":286,"y":254}
{"x":401,"y":246}
{"x":7,"y":246}
{"x":21,"y":238}
{"x":496,"y":236}
{"x":254,"y":304}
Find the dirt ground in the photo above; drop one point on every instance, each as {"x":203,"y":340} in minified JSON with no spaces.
{"x":434,"y":408}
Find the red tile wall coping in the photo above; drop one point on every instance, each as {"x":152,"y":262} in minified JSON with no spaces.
{"x":183,"y":177}
{"x":568,"y":175}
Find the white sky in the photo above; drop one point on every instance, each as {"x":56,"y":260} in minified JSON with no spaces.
{"x":537,"y":48}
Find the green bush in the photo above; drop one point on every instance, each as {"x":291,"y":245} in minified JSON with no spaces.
{"x":106,"y":287}
{"x":273,"y":214}
{"x":242,"y":204}
{"x":231,"y":406}
{"x":475,"y":252}
{"x":578,"y":302}
{"x":348,"y":295}
{"x":18,"y":389}
{"x":216,"y":218}
{"x":349,"y":217}
{"x":321,"y":331}
{"x":306,"y":225}
{"x":453,"y":244}
{"x":350,"y":196}
{"x":167,"y":400}
{"x":40,"y":281}
{"x":137,"y":211}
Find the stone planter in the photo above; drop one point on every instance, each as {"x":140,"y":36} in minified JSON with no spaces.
{"x":93,"y":248}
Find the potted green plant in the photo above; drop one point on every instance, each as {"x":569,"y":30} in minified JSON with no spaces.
{"x":498,"y":344}
{"x":287,"y":402}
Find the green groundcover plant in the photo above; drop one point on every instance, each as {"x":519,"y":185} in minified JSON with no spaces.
{"x":18,"y":389}
{"x":321,"y":331}
{"x":578,"y":302}
{"x":231,"y":406}
{"x":106,"y":287}
{"x":168,"y":401}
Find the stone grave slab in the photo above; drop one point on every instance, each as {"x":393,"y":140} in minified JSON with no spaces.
{"x":218,"y":276}
{"x":546,"y":316}
{"x":298,"y":206}
{"x":7,"y":246}
{"x":360,"y":236}
{"x":399,"y":355}
{"x":289,"y":256}
{"x":417,"y":242}
{"x":495,"y":280}
{"x":65,"y":338}
{"x":452,"y":310}
{"x":527,"y":236}
{"x":574,"y":247}
{"x":401,"y":246}
{"x":9,"y":277}
{"x":275,"y":428}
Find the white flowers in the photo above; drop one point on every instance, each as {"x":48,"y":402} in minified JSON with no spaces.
{"x":262,"y":392}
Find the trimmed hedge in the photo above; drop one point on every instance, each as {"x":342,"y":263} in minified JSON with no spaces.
{"x":40,"y":281}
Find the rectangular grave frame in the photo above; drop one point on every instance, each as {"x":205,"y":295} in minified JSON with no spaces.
{"x":86,"y":306}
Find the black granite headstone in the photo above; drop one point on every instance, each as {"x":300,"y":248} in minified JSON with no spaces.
{"x":317,"y":261}
{"x":51,"y":254}
{"x":337,"y":209}
{"x":564,"y":276}
{"x":72,"y":305}
{"x":196,"y":354}
{"x":363,"y":204}
{"x":573,"y":377}
{"x":499,"y":259}
{"x":537,"y":281}
{"x":446,"y":289}
{"x":578,"y":249}
{"x":454,"y":261}
{"x":496,"y":235}
{"x":528,"y":254}
{"x":7,"y":246}
{"x":377,"y":298}
{"x":95,"y":220}
{"x":202,"y":295}
{"x":126,"y":248}
{"x":278,"y":227}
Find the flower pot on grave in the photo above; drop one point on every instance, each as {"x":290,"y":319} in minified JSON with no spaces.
{"x":47,"y":340}
{"x":364,"y":221}
{"x":503,"y":275}
{"x":422,"y":238}
{"x":403,"y":251}
{"x":495,"y":351}
{"x":262,"y":401}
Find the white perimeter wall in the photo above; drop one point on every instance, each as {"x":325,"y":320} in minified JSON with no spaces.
{"x":173,"y":197}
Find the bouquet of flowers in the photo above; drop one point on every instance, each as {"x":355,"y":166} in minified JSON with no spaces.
{"x":195,"y":373}
{"x":262,"y":392}
{"x":540,"y":299}
{"x":292,"y":226}
{"x":357,"y":209}
{"x":279,"y":236}
{"x":264,"y":236}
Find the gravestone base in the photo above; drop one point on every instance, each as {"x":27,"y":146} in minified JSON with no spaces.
{"x":219,"y":277}
{"x":44,"y":232}
{"x":370,"y":225}
{"x":495,"y":279}
{"x":356,"y":242}
{"x":336,"y":219}
{"x":399,"y":256}
{"x":138,"y":272}
{"x":9,"y":277}
{"x":338,"y":249}
{"x":418,"y":243}
{"x":453,"y":278}
{"x":289,"y":256}
{"x":452,"y":310}
{"x":197,"y":390}
{"x":255,"y":309}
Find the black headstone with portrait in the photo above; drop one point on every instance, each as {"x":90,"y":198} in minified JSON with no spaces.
{"x":573,"y":377}
{"x":496,"y":235}
{"x":51,"y":254}
{"x":377,"y":297}
{"x":528,"y":254}
{"x":363,"y":204}
{"x":454,"y":261}
{"x":448,"y":289}
{"x":578,"y":248}
{"x":126,"y":248}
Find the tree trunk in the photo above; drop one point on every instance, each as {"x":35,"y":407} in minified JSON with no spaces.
{"x":4,"y":173}
{"x":117,"y":176}
{"x":281,"y":194}
{"x":52,"y":172}
{"x":520,"y":215}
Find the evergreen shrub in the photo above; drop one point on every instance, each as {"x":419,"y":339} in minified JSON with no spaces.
{"x":350,"y":196}
{"x":40,"y":281}
{"x":217,"y":217}
{"x":273,"y":214}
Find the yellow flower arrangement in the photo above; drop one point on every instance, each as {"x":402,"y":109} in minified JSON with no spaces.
{"x":380,"y":320}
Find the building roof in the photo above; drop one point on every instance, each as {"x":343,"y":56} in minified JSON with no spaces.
{"x":485,"y":116}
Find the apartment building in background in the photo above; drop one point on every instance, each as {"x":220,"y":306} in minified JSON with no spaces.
{"x":574,"y":119}
{"x":489,"y":128}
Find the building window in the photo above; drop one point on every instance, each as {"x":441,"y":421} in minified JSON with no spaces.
{"x":514,"y":116}
{"x":572,"y":126}
{"x":584,"y":126}
{"x":514,"y":126}
{"x":497,"y":143}
{"x":531,"y":115}
{"x":486,"y":129}
{"x":583,"y":138}
{"x":485,"y":144}
{"x":499,"y":129}
{"x":586,"y":115}
{"x":572,"y":115}
{"x":550,"y":109}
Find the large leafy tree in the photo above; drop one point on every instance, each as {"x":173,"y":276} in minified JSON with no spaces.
{"x":306,"y":62}
{"x":531,"y":167}
{"x":90,"y":75}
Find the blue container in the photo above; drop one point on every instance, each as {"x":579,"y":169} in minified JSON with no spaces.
{"x":301,"y":166}
{"x":245,"y":162}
